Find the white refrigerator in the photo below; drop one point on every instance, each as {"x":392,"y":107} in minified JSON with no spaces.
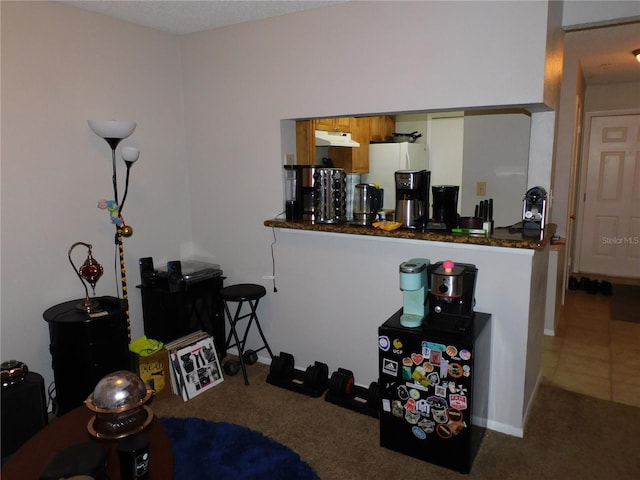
{"x":387,"y":158}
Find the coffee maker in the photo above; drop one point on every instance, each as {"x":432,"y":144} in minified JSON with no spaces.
{"x":412,"y":198}
{"x":451,"y":296}
{"x":534,"y":211}
{"x":445,"y":207}
{"x":414,"y":285}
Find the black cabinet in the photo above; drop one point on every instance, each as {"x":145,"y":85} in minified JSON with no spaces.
{"x":84,"y":349}
{"x":24,"y":412}
{"x":171,"y":311}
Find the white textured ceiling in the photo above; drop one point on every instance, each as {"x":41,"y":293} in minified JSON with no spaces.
{"x":190,"y":16}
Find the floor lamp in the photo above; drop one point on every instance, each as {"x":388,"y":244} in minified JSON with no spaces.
{"x":113,"y":132}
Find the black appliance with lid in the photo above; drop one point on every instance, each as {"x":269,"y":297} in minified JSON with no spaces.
{"x":451,"y":295}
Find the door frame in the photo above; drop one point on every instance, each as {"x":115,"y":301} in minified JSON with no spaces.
{"x":584,"y":164}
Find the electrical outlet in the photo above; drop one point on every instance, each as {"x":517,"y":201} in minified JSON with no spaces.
{"x":290,"y":159}
{"x":481,"y":189}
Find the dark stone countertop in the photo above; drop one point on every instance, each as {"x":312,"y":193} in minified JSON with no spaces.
{"x":501,"y":237}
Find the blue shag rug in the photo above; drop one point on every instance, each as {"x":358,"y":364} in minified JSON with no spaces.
{"x":219,"y":450}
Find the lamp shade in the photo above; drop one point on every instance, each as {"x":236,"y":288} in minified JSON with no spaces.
{"x":112,"y":128}
{"x":636,"y":53}
{"x":130,"y":154}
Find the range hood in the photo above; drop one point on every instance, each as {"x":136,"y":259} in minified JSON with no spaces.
{"x":334,"y":139}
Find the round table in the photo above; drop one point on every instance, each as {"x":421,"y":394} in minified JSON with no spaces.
{"x":70,"y":429}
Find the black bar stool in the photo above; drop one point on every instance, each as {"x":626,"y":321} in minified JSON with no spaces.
{"x":240,"y":293}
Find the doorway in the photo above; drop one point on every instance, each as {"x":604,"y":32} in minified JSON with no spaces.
{"x":609,"y":239}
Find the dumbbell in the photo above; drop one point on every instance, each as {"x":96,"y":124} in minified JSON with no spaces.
{"x":341,"y":383}
{"x":250,"y":357}
{"x":316,"y":375}
{"x":231,"y":367}
{"x":282,"y":366}
{"x":373,"y":395}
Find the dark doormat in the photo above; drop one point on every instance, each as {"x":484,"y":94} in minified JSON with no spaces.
{"x":625,"y":303}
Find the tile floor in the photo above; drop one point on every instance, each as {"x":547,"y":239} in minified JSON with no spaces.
{"x":592,"y":354}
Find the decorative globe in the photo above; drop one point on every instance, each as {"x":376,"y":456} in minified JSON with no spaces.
{"x":119,"y":402}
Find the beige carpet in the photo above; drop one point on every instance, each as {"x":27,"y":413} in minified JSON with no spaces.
{"x":625,"y":303}
{"x":569,"y":436}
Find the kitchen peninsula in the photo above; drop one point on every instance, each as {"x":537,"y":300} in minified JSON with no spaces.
{"x":501,"y":237}
{"x":347,"y":279}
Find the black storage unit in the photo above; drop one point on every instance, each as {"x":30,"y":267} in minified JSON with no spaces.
{"x":84,"y":349}
{"x":179,"y":301}
{"x":24,"y":412}
{"x":434,"y":388}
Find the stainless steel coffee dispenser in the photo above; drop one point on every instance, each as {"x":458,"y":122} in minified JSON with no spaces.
{"x":412,"y":198}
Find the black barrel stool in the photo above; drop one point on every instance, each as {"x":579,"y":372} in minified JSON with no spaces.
{"x":241,"y":293}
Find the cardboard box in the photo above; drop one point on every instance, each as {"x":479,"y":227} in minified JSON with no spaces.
{"x":154,"y":371}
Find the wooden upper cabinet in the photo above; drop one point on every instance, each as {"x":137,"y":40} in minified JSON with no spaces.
{"x":382,"y":128}
{"x":333,"y":124}
{"x":305,"y":143}
{"x":363,"y":130}
{"x":354,"y":159}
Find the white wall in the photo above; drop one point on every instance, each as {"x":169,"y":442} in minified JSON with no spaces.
{"x":60,"y":67}
{"x":334,"y":291}
{"x":496,"y":151}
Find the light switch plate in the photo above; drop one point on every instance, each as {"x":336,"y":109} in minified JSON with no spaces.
{"x":481,"y":189}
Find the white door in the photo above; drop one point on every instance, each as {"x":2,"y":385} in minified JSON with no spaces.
{"x":610,"y":240}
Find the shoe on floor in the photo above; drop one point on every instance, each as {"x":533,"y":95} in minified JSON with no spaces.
{"x":593,"y":287}
{"x":584,"y":283}
{"x":573,"y":283}
{"x":606,"y":288}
